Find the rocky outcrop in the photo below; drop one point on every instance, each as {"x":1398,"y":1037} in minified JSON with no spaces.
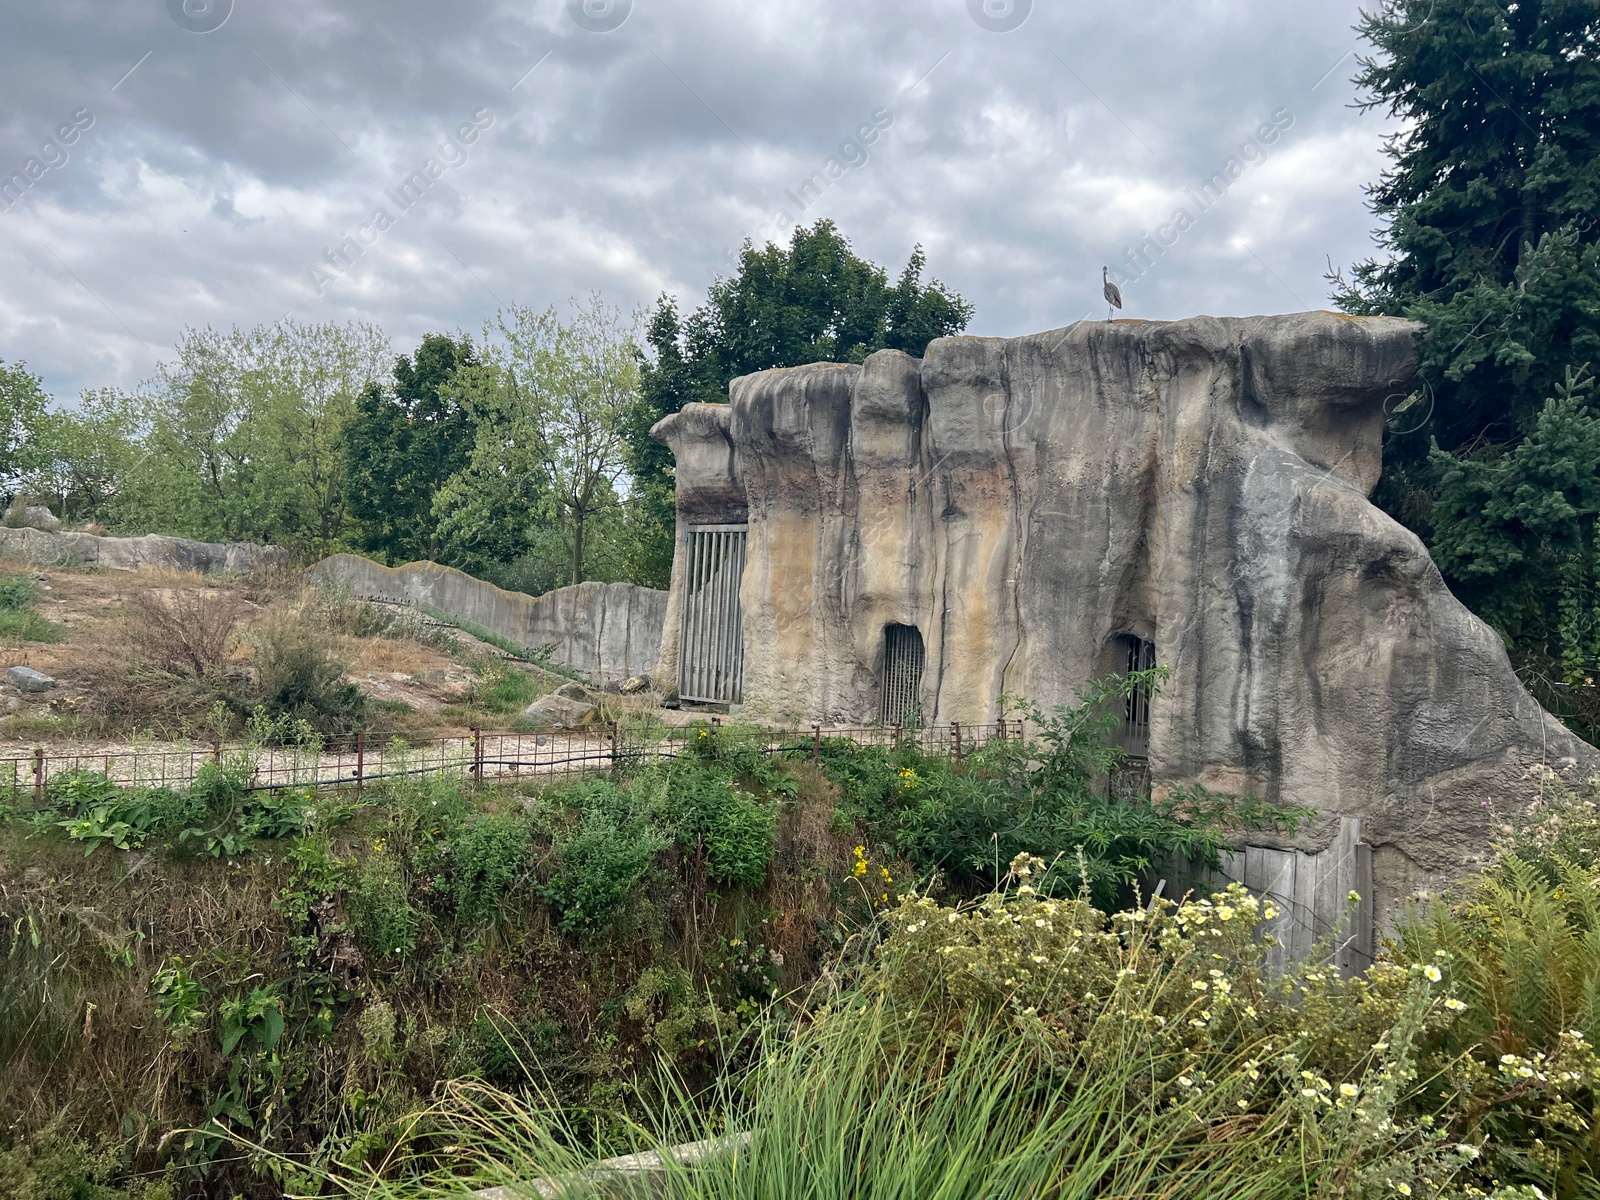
{"x":46,"y":548}
{"x":1198,"y":484}
{"x":22,"y":515}
{"x":606,"y":632}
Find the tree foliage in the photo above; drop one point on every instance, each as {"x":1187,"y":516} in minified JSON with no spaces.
{"x":404,"y":442}
{"x":814,"y":300}
{"x":551,"y":399}
{"x":1490,"y":240}
{"x":22,"y":405}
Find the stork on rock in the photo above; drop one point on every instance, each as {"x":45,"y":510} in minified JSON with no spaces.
{"x":1113,"y":293}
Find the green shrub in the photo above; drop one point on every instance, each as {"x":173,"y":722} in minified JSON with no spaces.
{"x":18,"y":621}
{"x":490,"y":856}
{"x":298,"y":680}
{"x":710,"y":812}
{"x":501,"y":688}
{"x":599,"y":863}
{"x":1520,"y":945}
{"x":57,"y":1166}
{"x":382,"y":915}
{"x":17,"y":592}
{"x":1045,"y":795}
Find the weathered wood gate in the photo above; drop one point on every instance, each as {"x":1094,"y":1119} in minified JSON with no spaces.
{"x":1312,"y":892}
{"x":711,"y":655}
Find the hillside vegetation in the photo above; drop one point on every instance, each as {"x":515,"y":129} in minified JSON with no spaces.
{"x":158,"y":655}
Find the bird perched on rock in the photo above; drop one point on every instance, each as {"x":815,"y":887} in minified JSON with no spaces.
{"x":1113,"y":293}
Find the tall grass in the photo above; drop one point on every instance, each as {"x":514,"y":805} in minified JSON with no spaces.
{"x":865,"y":1102}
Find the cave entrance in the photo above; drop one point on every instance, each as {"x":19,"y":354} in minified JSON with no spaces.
{"x":711,"y":645}
{"x":903,"y":659}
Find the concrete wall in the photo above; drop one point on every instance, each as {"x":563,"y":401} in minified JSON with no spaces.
{"x":49,"y":549}
{"x":604,"y":631}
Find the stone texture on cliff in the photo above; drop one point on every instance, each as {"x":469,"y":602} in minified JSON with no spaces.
{"x":1201,"y":484}
{"x":47,"y":548}
{"x":605,"y":631}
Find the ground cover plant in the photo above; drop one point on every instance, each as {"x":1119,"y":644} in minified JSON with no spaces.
{"x":1022,"y":1044}
{"x":240,"y":992}
{"x":188,"y":971}
{"x":20,"y":621}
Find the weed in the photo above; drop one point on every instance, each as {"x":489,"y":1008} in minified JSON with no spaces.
{"x":599,"y":863}
{"x":380,"y":902}
{"x":188,"y":633}
{"x":300,"y":680}
{"x":17,"y":592}
{"x":179,"y":1000}
{"x":490,"y":855}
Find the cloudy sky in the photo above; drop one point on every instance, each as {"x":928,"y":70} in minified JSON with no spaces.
{"x":222,"y":151}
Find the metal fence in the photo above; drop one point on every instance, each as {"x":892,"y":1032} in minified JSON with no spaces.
{"x":480,"y":756}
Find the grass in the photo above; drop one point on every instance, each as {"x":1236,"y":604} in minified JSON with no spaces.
{"x":25,"y":625}
{"x":18,"y":621}
{"x":857,"y":1105}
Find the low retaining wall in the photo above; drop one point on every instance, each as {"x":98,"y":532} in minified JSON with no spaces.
{"x":44,"y":548}
{"x":604,"y":631}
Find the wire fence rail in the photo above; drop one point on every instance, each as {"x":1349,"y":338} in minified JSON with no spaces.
{"x":481,"y":756}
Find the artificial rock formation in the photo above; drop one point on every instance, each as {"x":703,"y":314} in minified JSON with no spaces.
{"x":1200,"y":484}
{"x":607,"y":632}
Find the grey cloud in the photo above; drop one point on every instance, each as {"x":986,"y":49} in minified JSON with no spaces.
{"x":635,"y":161}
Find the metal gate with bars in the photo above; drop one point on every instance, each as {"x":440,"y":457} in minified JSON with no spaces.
{"x":711,"y":647}
{"x":903,"y":657}
{"x":1134,"y":736}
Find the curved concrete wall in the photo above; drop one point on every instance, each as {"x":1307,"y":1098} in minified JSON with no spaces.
{"x":604,"y":631}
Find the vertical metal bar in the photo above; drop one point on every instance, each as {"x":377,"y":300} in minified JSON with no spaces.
{"x":816,"y":743}
{"x":361,"y":761}
{"x":714,"y":619}
{"x":713,"y":682}
{"x":685,"y":688}
{"x":702,"y":555}
{"x":955,"y":733}
{"x":477,"y":757}
{"x":38,"y":776}
{"x":738,"y":624}
{"x":725,"y":620}
{"x":692,"y":637}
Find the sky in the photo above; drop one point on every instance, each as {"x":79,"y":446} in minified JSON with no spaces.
{"x":175,"y":163}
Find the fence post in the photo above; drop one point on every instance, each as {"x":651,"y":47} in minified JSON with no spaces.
{"x":477,"y":756}
{"x":361,"y":761}
{"x":955,"y":732}
{"x":38,"y":776}
{"x":1002,"y":728}
{"x":611,"y":735}
{"x":816,"y":743}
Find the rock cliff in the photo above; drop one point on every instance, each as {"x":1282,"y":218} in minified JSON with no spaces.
{"x":1199,"y":484}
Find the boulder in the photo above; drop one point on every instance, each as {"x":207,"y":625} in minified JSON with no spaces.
{"x":32,"y":516}
{"x":556,"y":711}
{"x":634,"y":684}
{"x":26,"y":679}
{"x":574,"y":691}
